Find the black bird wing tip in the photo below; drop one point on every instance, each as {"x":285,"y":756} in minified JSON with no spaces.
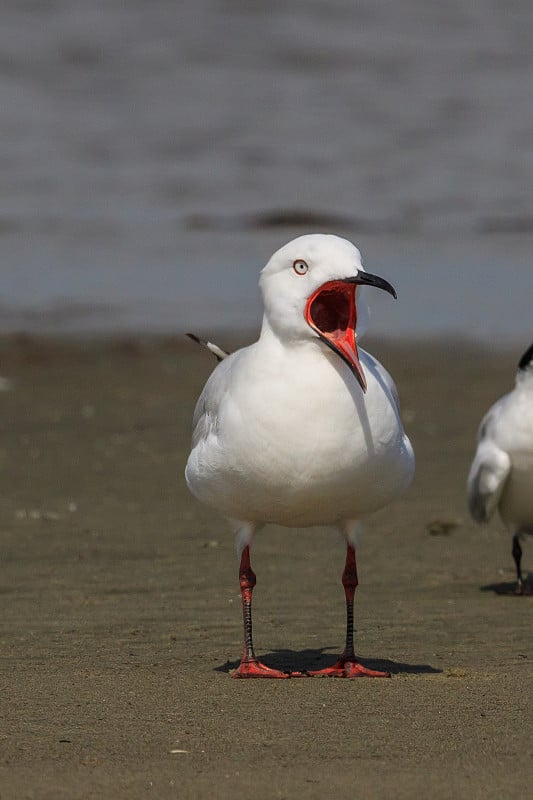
{"x":217,"y":351}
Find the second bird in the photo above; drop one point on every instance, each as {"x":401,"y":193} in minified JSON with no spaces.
{"x":501,"y":475}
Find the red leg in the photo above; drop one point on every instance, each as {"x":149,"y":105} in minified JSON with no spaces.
{"x":250,"y":666}
{"x":347,"y":665}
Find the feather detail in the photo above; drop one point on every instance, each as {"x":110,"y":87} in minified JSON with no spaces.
{"x":217,"y":351}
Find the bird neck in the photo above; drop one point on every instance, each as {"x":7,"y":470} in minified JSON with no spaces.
{"x":271,"y":339}
{"x":524,"y":379}
{"x":299,"y":352}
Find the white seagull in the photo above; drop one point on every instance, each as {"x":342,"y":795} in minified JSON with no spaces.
{"x":501,"y":475}
{"x":302,"y":428}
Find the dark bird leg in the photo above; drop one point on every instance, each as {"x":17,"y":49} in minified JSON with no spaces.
{"x":517,"y":555}
{"x":347,"y":665}
{"x":250,"y":666}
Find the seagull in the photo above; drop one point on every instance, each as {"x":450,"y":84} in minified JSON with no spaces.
{"x":302,"y":427}
{"x":501,"y":475}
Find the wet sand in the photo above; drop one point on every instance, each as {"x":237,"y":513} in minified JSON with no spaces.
{"x":121,"y":615}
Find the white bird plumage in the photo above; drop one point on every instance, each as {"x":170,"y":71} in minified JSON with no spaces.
{"x":501,"y":475}
{"x":285,"y":430}
{"x":318,"y":455}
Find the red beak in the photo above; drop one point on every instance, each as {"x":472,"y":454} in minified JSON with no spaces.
{"x":331,"y":311}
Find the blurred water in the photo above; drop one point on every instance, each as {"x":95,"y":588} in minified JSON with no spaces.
{"x":154,"y":154}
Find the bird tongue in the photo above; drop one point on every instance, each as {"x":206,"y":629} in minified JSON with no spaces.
{"x":331,"y":312}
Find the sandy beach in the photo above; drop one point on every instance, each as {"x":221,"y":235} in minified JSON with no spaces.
{"x":121,"y":615}
{"x":153,"y":158}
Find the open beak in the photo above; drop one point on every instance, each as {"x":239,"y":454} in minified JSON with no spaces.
{"x":331,"y":311}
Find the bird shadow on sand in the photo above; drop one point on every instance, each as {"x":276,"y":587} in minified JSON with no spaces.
{"x":509,"y":589}
{"x":301,"y":660}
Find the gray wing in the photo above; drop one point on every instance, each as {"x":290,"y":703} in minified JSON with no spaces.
{"x":205,"y":417}
{"x":385,"y":378}
{"x":487,"y":477}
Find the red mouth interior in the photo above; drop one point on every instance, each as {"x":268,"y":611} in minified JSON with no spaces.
{"x":331,"y":310}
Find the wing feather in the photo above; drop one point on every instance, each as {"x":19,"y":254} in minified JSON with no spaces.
{"x":383,"y":376}
{"x":205,"y":417}
{"x":487,"y":478}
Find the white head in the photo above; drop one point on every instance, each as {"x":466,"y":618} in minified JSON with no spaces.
{"x":311,"y":290}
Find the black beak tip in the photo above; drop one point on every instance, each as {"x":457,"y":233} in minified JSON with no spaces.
{"x":381,"y":283}
{"x":367,"y":279}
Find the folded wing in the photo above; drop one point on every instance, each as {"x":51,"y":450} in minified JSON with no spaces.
{"x":487,"y":478}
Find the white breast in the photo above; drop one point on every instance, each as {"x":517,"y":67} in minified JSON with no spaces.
{"x":508,"y":429}
{"x":294,"y":441}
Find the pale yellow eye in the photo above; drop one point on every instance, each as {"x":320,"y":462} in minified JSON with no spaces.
{"x":300,"y":266}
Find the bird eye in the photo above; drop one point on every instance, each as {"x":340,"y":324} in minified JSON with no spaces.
{"x":300,"y":267}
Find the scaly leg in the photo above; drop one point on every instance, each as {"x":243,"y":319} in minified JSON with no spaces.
{"x":347,"y":666}
{"x":517,"y":555}
{"x":250,"y":666}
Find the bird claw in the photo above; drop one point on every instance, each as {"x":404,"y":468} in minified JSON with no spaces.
{"x":255,"y":669}
{"x":344,"y":668}
{"x":348,"y":668}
